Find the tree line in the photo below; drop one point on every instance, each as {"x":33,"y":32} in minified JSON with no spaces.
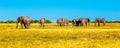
{"x":49,"y":21}
{"x":32,"y":21}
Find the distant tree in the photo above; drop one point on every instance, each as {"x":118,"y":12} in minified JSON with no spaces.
{"x":92,"y":21}
{"x":109,"y":21}
{"x":10,"y":21}
{"x":1,"y":21}
{"x":113,"y":21}
{"x":48,"y":21}
{"x":117,"y":21}
{"x":37,"y":21}
{"x":34,"y":21}
{"x":70,"y":21}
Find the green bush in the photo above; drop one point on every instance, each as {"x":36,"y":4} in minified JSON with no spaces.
{"x":48,"y":21}
{"x":70,"y":21}
{"x":34,"y":21}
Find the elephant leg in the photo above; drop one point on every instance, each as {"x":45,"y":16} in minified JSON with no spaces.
{"x":86,"y":24}
{"x":78,"y":24}
{"x":57,"y":24}
{"x":63,"y":24}
{"x":95,"y":23}
{"x":60,"y":24}
{"x":17,"y":25}
{"x":21,"y":25}
{"x":40,"y":24}
{"x":25,"y":25}
{"x":43,"y":25}
{"x":66,"y":24}
{"x":28,"y":25}
{"x":104,"y":24}
{"x":72,"y":24}
{"x":82,"y":24}
{"x":98,"y":23}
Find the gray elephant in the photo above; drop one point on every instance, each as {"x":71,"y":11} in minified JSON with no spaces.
{"x":100,"y":20}
{"x":42,"y":21}
{"x":23,"y":20}
{"x":85,"y":21}
{"x":76,"y":22}
{"x":81,"y":21}
{"x":62,"y":21}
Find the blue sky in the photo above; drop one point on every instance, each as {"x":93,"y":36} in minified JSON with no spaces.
{"x":53,"y":9}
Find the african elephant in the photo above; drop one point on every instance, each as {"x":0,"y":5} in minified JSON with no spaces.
{"x":76,"y":22}
{"x":62,"y":21}
{"x":42,"y":21}
{"x":23,"y":20}
{"x":100,"y":20}
{"x":85,"y":21}
{"x":81,"y":21}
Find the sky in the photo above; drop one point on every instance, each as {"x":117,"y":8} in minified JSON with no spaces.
{"x":53,"y":9}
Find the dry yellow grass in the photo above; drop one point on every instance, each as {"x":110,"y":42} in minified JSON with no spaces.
{"x":52,"y":36}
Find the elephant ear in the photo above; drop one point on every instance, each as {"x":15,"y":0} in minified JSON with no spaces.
{"x":19,"y":19}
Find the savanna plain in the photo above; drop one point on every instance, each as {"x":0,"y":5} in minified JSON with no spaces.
{"x":53,"y":36}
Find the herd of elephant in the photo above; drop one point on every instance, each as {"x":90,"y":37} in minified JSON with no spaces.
{"x":25,"y":21}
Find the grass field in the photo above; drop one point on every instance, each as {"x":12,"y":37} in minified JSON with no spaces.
{"x":53,"y":36}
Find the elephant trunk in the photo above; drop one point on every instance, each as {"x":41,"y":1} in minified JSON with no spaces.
{"x":17,"y":24}
{"x":95,"y":23}
{"x":99,"y":23}
{"x":72,"y":24}
{"x":60,"y":24}
{"x":104,"y":23}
